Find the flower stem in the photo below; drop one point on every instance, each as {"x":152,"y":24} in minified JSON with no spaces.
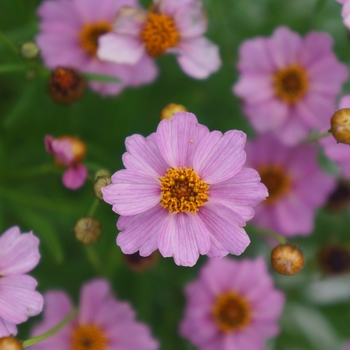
{"x":316,"y":137}
{"x":8,"y":43}
{"x":93,"y":207}
{"x":51,"y":332}
{"x":94,"y":259}
{"x":270,"y":234}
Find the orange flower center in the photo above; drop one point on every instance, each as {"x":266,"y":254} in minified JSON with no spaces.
{"x":88,"y":337}
{"x":231,"y":312}
{"x":78,"y":149}
{"x":89,"y":34}
{"x":291,"y":83}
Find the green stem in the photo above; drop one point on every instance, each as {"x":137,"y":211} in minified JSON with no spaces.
{"x":270,"y":234}
{"x":8,"y":42}
{"x":33,"y":171}
{"x":94,"y":258}
{"x":93,"y":207}
{"x":316,"y":137}
{"x":52,"y":331}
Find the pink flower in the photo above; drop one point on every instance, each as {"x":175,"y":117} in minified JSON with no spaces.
{"x":288,"y":84}
{"x":232,"y":305}
{"x":19,"y":254}
{"x":185,"y":192}
{"x":170,"y":26}
{"x":68,"y":152}
{"x":296,"y":184}
{"x":338,"y":152}
{"x":69,"y":37}
{"x":102,"y":321}
{"x":348,"y":346}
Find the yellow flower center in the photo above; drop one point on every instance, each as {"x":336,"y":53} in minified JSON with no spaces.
{"x":183,"y":190}
{"x":89,"y":34}
{"x":291,"y":83}
{"x":88,"y":337}
{"x":276,"y":180}
{"x":231,"y":312}
{"x":159,"y":33}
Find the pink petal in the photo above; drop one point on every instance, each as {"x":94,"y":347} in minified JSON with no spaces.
{"x":7,"y":328}
{"x":75,"y":176}
{"x":130,"y":21}
{"x":344,"y":102}
{"x":143,"y":72}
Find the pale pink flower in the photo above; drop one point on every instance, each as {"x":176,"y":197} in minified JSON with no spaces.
{"x":232,"y":305}
{"x":68,"y":152}
{"x":297,"y":186}
{"x":69,"y":32}
{"x":348,"y":346}
{"x":170,"y":26}
{"x":185,"y":192}
{"x":19,"y":254}
{"x":102,"y":321}
{"x":288,"y":84}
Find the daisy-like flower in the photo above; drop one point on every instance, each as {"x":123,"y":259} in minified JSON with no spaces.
{"x":296,"y":184}
{"x":19,"y":254}
{"x":69,"y":34}
{"x":102,"y":322}
{"x":288,"y":84}
{"x":170,"y":26}
{"x":184,"y":191}
{"x":232,"y":305}
{"x":67,"y":152}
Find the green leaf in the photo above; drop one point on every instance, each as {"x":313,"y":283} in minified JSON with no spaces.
{"x":12,"y":67}
{"x":101,"y":78}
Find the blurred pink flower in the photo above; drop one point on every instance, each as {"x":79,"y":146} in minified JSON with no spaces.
{"x":288,"y":84}
{"x":297,"y":186}
{"x":185,"y":192}
{"x":170,"y":26}
{"x":69,"y":32}
{"x":19,"y":254}
{"x":348,"y":346}
{"x":338,"y":152}
{"x":102,"y":321}
{"x":232,"y":305}
{"x":68,"y":152}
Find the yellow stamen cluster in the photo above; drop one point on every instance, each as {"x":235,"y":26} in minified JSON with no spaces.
{"x":291,"y":83}
{"x":183,"y":190}
{"x":88,"y":337}
{"x":159,"y":33}
{"x":89,"y":34}
{"x":231,"y":312}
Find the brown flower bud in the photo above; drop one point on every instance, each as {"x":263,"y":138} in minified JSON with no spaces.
{"x":287,"y":259}
{"x":29,"y":50}
{"x":66,"y":85}
{"x":138,"y":263}
{"x":87,"y":230}
{"x":169,"y":110}
{"x":10,"y":343}
{"x":102,"y":179}
{"x":340,"y":125}
{"x":334,"y":259}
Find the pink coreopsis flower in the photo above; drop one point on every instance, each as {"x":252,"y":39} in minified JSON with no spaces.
{"x":67,"y":152}
{"x":232,"y":305}
{"x":69,"y":33}
{"x":288,"y":84}
{"x":19,"y":254}
{"x":185,"y":192}
{"x":297,"y":186}
{"x":170,"y":26}
{"x":102,"y":322}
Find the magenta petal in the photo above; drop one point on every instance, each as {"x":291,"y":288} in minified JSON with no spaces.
{"x":75,"y":176}
{"x":7,"y":328}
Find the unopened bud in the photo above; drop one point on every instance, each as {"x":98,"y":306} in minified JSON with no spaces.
{"x":29,"y":50}
{"x":287,"y":259}
{"x":87,"y":230}
{"x":335,"y":259}
{"x":138,"y":263}
{"x":66,"y":85}
{"x":340,"y":125}
{"x":10,"y":343}
{"x":102,"y":179}
{"x":169,"y":110}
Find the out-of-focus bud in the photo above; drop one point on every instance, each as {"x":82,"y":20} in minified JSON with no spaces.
{"x":339,"y":199}
{"x":169,"y":110}
{"x":29,"y":50}
{"x":340,"y":125}
{"x":287,"y":259}
{"x":66,"y":85}
{"x":10,"y":343}
{"x":102,"y":179}
{"x":138,"y":263}
{"x":87,"y":230}
{"x":334,"y":259}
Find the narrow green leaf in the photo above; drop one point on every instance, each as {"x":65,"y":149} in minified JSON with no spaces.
{"x":12,"y":67}
{"x":101,"y":78}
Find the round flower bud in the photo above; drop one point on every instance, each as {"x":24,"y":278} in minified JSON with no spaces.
{"x":10,"y":343}
{"x":169,"y":110}
{"x":334,"y":259}
{"x":340,"y":125}
{"x":29,"y":50}
{"x":87,"y":230}
{"x":287,"y":259}
{"x":138,"y":263}
{"x":66,"y":85}
{"x":102,"y":179}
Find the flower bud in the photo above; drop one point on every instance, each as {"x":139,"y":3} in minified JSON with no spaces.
{"x":87,"y":230}
{"x":138,"y":263}
{"x":10,"y":343}
{"x":102,"y":179}
{"x":169,"y":110}
{"x":29,"y":50}
{"x":287,"y":259}
{"x":340,"y":125}
{"x":334,"y":259}
{"x":66,"y":85}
